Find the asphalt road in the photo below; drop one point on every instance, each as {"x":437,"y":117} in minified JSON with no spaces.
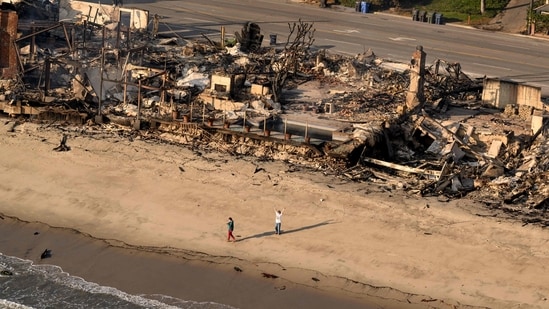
{"x":344,"y":31}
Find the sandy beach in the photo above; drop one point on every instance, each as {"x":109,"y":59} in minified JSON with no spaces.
{"x":119,"y":209}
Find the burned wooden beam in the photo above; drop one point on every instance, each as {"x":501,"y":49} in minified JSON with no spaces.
{"x":63,"y":145}
{"x":38,"y":32}
{"x":403,"y":168}
{"x":67,"y":37}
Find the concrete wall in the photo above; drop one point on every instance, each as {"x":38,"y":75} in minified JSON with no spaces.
{"x":139,"y":19}
{"x":500,"y":93}
{"x":529,"y":95}
{"x":222,"y":83}
{"x":259,"y":89}
{"x":87,"y":11}
{"x":490,"y":92}
{"x":103,"y":14}
{"x":507,"y":94}
{"x":221,"y":103}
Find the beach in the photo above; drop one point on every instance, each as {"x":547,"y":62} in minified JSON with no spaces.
{"x":141,"y":272}
{"x":119,"y":209}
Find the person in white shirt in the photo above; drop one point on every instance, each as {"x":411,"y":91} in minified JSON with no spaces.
{"x":278,"y":221}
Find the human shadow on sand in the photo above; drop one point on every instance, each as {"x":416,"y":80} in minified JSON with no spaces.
{"x":288,"y":231}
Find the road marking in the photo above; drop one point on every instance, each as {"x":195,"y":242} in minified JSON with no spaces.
{"x":346,"y":31}
{"x":402,"y":39}
{"x":343,"y":42}
{"x":492,"y":66}
{"x":342,"y":52}
{"x":199,"y":20}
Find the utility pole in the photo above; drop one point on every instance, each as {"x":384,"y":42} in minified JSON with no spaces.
{"x":530,"y":21}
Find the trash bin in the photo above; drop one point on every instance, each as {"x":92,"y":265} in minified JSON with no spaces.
{"x":431,"y":17}
{"x":438,"y":19}
{"x":272,"y":38}
{"x":364,"y":7}
{"x":415,"y":15}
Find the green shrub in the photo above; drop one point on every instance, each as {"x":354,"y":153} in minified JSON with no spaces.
{"x":454,"y":10}
{"x":374,"y":3}
{"x":348,"y":3}
{"x":542,"y":23}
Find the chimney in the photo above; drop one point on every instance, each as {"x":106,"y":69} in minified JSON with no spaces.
{"x":8,"y":34}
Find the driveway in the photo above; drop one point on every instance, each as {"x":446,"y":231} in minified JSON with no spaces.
{"x":512,"y":19}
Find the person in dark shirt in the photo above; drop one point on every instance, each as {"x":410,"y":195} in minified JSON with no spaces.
{"x":230,"y":227}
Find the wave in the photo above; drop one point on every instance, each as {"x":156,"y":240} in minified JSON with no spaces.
{"x":6,"y":304}
{"x":25,"y":285}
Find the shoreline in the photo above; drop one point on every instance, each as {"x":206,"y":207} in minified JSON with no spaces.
{"x":363,"y":242}
{"x":141,"y":272}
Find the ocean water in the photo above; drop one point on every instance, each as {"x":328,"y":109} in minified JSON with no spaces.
{"x":24,"y":285}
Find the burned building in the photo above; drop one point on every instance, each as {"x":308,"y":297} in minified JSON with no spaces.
{"x":430,"y":129}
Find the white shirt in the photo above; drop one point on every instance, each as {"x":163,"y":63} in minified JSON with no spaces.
{"x":278,"y":217}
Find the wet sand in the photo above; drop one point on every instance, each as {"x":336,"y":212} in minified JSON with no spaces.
{"x":155,"y":209}
{"x":184,"y":276}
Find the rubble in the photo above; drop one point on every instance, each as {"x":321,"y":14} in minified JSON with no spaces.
{"x":429,"y":130}
{"x":63,"y":145}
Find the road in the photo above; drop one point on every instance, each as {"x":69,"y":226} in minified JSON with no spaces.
{"x":344,"y":31}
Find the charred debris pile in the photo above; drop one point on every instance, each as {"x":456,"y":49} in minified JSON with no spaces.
{"x":427,"y":129}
